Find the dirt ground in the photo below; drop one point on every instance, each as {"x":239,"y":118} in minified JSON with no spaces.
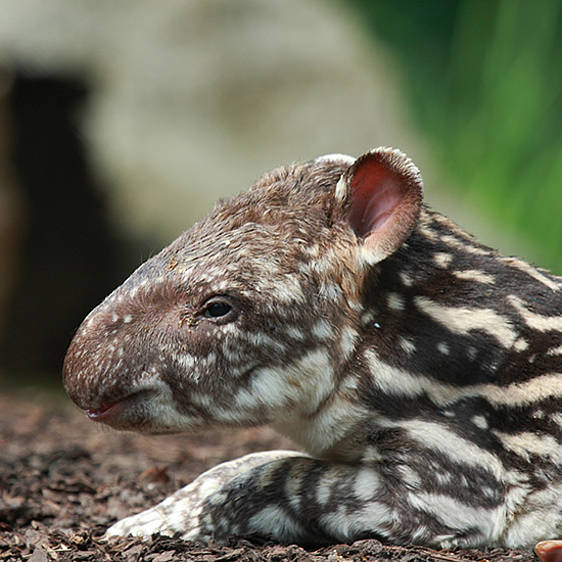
{"x":64,"y":480}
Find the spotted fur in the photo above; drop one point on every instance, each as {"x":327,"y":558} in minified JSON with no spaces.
{"x":418,"y":368}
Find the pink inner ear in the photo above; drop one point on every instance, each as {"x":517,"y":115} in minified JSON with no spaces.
{"x":376,"y":192}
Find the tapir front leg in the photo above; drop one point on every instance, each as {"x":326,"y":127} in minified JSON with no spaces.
{"x":181,"y":512}
{"x":288,"y":497}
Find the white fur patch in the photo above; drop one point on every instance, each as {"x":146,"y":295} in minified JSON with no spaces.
{"x":442,"y":259}
{"x":395,"y":301}
{"x":535,"y":321}
{"x":273,"y":521}
{"x":469,"y":248}
{"x":543,"y":518}
{"x":553,"y":284}
{"x":406,"y":279}
{"x":336,"y":157}
{"x":347,"y":342}
{"x":480,"y":421}
{"x":407,"y":345}
{"x":527,"y":443}
{"x":322,"y":330}
{"x":341,"y":189}
{"x":399,"y":382}
{"x":463,"y":320}
{"x":437,"y":437}
{"x":475,"y":275}
{"x":301,"y":385}
{"x":366,"y":484}
{"x":555,"y":350}
{"x":458,"y":515}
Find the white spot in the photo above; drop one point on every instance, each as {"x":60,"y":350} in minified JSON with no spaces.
{"x":444,"y":478}
{"x":442,"y":259}
{"x":443,"y":347}
{"x":322,"y":330}
{"x":475,"y":275}
{"x":288,"y":290}
{"x":480,"y":421}
{"x":293,"y":484}
{"x":555,"y":350}
{"x":273,"y":521}
{"x":294,"y":333}
{"x":409,"y":476}
{"x":367,"y":318}
{"x":312,"y":251}
{"x":349,"y":383}
{"x":324,"y":486}
{"x":347,"y":341}
{"x":366,"y":484}
{"x":186,"y":361}
{"x":260,"y":339}
{"x":520,"y":344}
{"x":127,"y":318}
{"x":427,"y":231}
{"x":407,"y":345}
{"x":342,"y":189}
{"x":420,"y":534}
{"x":373,"y":516}
{"x":344,"y":527}
{"x":406,"y":279}
{"x":371,"y":454}
{"x":395,"y":301}
{"x":330,"y":292}
{"x":354,"y":305}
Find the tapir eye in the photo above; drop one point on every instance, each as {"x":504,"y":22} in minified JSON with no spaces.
{"x":219,"y":308}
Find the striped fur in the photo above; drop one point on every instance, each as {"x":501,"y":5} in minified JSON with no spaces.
{"x":418,"y":369}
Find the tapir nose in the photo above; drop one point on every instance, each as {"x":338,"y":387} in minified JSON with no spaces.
{"x":118,"y":342}
{"x":98,"y":359}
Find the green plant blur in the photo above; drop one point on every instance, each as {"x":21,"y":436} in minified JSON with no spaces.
{"x":484,"y":81}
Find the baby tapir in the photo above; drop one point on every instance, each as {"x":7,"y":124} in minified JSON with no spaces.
{"x":419,"y":369}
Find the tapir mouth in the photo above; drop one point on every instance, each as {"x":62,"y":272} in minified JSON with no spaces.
{"x":104,"y":412}
{"x":114,"y":412}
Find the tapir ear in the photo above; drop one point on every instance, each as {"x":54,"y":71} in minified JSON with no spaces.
{"x":383,"y":193}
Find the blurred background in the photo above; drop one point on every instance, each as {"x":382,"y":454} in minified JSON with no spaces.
{"x":121,"y":122}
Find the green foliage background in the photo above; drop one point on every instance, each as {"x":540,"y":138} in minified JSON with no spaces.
{"x":484,"y":80}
